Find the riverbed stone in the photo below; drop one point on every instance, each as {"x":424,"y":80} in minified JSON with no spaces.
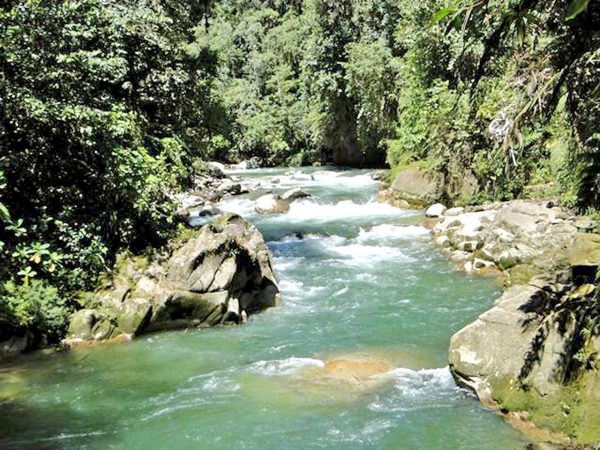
{"x":294,"y":194}
{"x":456,"y":211}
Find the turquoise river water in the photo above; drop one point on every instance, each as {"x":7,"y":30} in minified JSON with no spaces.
{"x":358,"y":279}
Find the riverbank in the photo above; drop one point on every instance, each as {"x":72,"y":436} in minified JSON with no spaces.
{"x":533,"y":356}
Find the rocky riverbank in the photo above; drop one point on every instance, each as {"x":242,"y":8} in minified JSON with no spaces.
{"x":161,"y":290}
{"x":534,"y":355}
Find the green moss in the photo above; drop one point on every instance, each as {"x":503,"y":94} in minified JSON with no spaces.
{"x":521,"y":273}
{"x":422,"y":164}
{"x":184,"y":234}
{"x":139,"y":262}
{"x":572,"y":409}
{"x":507,"y":263}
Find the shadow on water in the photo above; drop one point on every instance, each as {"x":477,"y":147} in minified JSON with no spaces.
{"x":53,"y":423}
{"x":55,"y":426}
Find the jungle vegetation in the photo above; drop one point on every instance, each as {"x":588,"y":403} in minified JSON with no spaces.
{"x":108,"y":106}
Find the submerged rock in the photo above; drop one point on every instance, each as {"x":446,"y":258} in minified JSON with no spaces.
{"x":271,"y":204}
{"x":220,"y":275}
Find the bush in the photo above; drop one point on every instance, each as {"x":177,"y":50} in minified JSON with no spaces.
{"x":35,"y":306}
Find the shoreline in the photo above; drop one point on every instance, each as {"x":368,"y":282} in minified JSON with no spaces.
{"x":464,"y":236}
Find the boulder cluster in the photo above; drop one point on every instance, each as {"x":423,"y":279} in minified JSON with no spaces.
{"x":521,"y":238}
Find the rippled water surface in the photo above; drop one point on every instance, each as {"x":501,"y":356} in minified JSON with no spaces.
{"x":358,"y":279}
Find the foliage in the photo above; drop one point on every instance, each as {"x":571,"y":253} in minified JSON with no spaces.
{"x":103,"y":110}
{"x":35,"y":306}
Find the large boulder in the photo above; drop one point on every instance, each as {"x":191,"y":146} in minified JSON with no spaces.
{"x":271,"y":204}
{"x":534,"y":354}
{"x":220,"y":275}
{"x":15,"y":345}
{"x":417,"y":187}
{"x":216,"y":169}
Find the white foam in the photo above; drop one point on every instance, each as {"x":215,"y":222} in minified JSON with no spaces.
{"x":387,"y":231}
{"x":283,"y":263}
{"x":220,"y":383}
{"x":280,"y":367}
{"x":291,"y":286}
{"x":340,"y":292}
{"x":360,"y":254}
{"x":414,"y":383}
{"x":242,"y":206}
{"x":309,"y":210}
{"x":366,"y":277}
{"x":323,"y":178}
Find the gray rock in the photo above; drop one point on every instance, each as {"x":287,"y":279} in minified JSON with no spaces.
{"x":417,"y":187}
{"x":216,"y":170}
{"x":134,"y":316}
{"x":520,"y":357}
{"x":253,"y":163}
{"x":81,"y":323}
{"x":454,"y":211}
{"x":15,"y":345}
{"x":271,"y":204}
{"x":209,"y":209}
{"x":229,"y":187}
{"x":436,"y":210}
{"x":200,"y":283}
{"x":294,"y":194}
{"x":379,"y":175}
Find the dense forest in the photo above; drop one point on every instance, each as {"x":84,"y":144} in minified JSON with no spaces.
{"x":108,"y":107}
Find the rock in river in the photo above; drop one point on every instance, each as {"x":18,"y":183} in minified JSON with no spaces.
{"x":219,"y":276}
{"x":271,"y":204}
{"x":294,"y":194}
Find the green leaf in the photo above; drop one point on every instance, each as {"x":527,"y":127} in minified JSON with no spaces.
{"x":576,"y":7}
{"x":442,"y":14}
{"x":4,"y":214}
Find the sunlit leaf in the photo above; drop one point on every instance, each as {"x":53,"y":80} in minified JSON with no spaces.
{"x":576,"y":7}
{"x":442,"y":14}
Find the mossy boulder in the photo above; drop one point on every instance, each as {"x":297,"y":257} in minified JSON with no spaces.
{"x":533,"y":354}
{"x":418,"y":187}
{"x":222,"y":273}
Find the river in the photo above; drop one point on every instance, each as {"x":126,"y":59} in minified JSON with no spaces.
{"x":358,"y":279}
